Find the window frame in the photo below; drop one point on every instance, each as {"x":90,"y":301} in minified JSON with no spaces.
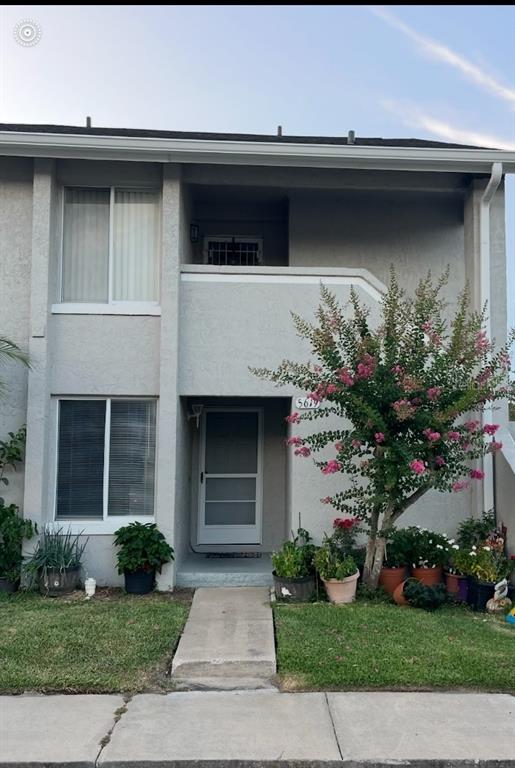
{"x":227,"y":238}
{"x":108,"y":523}
{"x":111,"y":306}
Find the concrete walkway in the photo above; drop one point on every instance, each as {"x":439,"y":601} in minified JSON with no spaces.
{"x":228,"y":640}
{"x":258,"y":728}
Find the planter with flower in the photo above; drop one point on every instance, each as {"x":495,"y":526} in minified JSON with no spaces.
{"x":142,"y":550}
{"x":487,"y":567}
{"x":294,"y":572}
{"x":338,"y":571}
{"x":457,"y":572}
{"x":396,"y":560}
{"x":427,"y":552}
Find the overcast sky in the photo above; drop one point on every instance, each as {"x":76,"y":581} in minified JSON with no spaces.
{"x":444,"y":73}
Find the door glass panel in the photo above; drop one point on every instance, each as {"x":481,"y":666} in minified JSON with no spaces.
{"x":230,"y":513}
{"x":231,"y":489}
{"x":231,"y":442}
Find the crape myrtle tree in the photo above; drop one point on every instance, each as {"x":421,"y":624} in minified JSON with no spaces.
{"x":413,"y":389}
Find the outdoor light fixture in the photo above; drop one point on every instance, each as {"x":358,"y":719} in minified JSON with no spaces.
{"x":194,"y":233}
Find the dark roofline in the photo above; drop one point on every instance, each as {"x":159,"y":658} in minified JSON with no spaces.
{"x":208,"y":136}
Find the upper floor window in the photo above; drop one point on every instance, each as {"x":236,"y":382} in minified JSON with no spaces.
{"x":233,"y":251}
{"x":110,"y":245}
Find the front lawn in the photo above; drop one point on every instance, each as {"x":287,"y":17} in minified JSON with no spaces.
{"x":377,"y":645}
{"x":113,"y":642}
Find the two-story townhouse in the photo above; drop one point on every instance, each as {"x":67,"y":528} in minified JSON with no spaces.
{"x":145,"y":271}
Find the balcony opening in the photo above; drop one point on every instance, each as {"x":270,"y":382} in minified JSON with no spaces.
{"x":236,"y":226}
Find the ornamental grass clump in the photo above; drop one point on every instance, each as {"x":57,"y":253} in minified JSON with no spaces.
{"x":413,"y":388}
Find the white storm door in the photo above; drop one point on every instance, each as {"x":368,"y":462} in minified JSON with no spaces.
{"x":230,"y":509}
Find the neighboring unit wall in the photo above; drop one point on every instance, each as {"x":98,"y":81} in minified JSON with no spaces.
{"x":15,"y":258}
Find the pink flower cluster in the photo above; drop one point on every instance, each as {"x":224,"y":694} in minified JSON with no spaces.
{"x":303,"y":451}
{"x":434,"y":393}
{"x":490,"y":429}
{"x":494,"y":446}
{"x":379,"y":437}
{"x":472,"y":426}
{"x":404,"y":409}
{"x":481,"y":343}
{"x":345,"y":376}
{"x":331,"y":467}
{"x":476,"y":474}
{"x":460,"y":485}
{"x":323,"y":391}
{"x":366,"y":367}
{"x":453,"y":435}
{"x":432,"y":436}
{"x":345,"y":522}
{"x":293,"y":418}
{"x":294,"y":441}
{"x":439,"y":461}
{"x":326,"y":500}
{"x":418,"y":466}
{"x":356,"y":443}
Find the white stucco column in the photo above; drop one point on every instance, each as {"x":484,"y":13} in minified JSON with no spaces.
{"x":38,"y":399}
{"x":168,"y":400}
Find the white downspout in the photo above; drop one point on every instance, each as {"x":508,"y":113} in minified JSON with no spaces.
{"x":485,"y":297}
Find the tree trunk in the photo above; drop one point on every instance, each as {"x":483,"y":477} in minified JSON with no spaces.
{"x":379,"y":550}
{"x":371,"y":547}
{"x":376,"y":547}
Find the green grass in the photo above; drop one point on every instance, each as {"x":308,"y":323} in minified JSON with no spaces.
{"x":113,"y":642}
{"x":377,"y":645}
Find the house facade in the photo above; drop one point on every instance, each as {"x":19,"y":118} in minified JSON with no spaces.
{"x":146,"y":271}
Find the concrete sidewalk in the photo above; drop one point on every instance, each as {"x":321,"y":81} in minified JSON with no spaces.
{"x":258,"y":728}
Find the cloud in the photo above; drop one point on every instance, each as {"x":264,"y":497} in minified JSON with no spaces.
{"x":440,"y":52}
{"x":415,"y":117}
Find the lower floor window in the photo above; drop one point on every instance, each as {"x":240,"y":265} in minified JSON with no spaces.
{"x":106,"y":458}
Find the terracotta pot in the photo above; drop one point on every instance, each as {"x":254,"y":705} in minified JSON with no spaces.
{"x":390,"y":578}
{"x":428,"y":576}
{"x":343,"y":591}
{"x":398,"y":594}
{"x":457,"y":586}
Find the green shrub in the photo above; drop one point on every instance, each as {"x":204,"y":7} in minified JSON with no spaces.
{"x":473,"y":532}
{"x":295,"y":559}
{"x":56,"y":549}
{"x":142,"y":547}
{"x":422,"y":596}
{"x":13,"y":529}
{"x":332,"y":564}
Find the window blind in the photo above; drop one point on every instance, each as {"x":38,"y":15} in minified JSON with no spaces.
{"x":80,"y":473}
{"x":135,"y":245}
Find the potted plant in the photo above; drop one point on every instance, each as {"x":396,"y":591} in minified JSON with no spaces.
{"x":420,"y":595}
{"x":338,"y":572}
{"x":487,"y":567}
{"x":428,"y":551}
{"x":293,"y":573}
{"x":13,"y":529}
{"x":458,"y":571}
{"x":57,"y":561}
{"x":143,"y":550}
{"x":394,"y":569}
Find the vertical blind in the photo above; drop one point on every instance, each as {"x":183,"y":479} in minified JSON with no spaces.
{"x":85,"y":271}
{"x":132,"y":457}
{"x":83,"y":458}
{"x":135,"y":245}
{"x":89,"y":256}
{"x":80,"y":470}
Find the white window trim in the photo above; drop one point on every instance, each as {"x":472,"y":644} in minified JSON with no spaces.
{"x":227,"y":238}
{"x":111,"y":307}
{"x":108,"y":524}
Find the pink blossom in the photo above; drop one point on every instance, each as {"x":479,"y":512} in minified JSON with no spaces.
{"x":452,"y":435}
{"x":494,"y":446}
{"x":418,"y":466}
{"x":366,"y":367}
{"x":379,"y":437}
{"x":356,"y":443}
{"x":481,"y":343}
{"x":410,"y":383}
{"x":483,"y":377}
{"x":476,"y":474}
{"x":404,"y":409}
{"x":471,"y":426}
{"x":345,"y":376}
{"x":432,"y":436}
{"x":439,"y":461}
{"x":427,"y":326}
{"x":339,"y":446}
{"x":490,"y":429}
{"x":435,"y":339}
{"x":505,"y":361}
{"x":434,"y":393}
{"x":304,"y":451}
{"x":294,"y":441}
{"x":460,"y":485}
{"x":398,"y":370}
{"x":293,"y":418}
{"x":326,"y":500}
{"x":331,"y":389}
{"x":331,"y":467}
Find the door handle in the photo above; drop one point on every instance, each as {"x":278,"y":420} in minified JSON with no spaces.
{"x":201,"y":478}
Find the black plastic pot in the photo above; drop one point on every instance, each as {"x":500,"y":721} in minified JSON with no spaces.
{"x":6,"y":585}
{"x":479,"y":593}
{"x":54,"y":582}
{"x":295,"y":590}
{"x":139,"y":582}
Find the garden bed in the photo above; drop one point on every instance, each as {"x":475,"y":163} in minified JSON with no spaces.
{"x":114,"y":642}
{"x":373,"y":645}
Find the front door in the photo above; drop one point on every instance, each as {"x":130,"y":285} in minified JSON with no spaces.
{"x":230,"y":508}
